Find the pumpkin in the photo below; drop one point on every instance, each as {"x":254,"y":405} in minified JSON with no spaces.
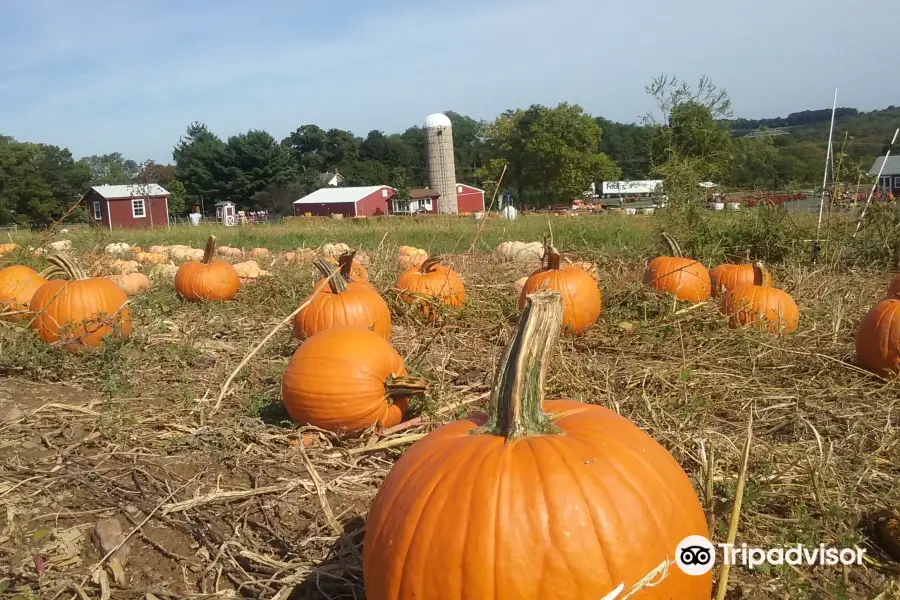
{"x":7,"y":248}
{"x":260,"y":253}
{"x":18,"y":284}
{"x":552,"y":500}
{"x":408,"y":257}
{"x":588,"y":267}
{"x":685,"y":278}
{"x":347,"y":379}
{"x":357,"y":271}
{"x":60,"y":245}
{"x":519,"y":285}
{"x":581,"y":296}
{"x":431,"y":282}
{"x":153,"y":258}
{"x":339,"y":299}
{"x":520,"y":252}
{"x":894,"y":288}
{"x":156,"y":250}
{"x":334,"y":250}
{"x":117,"y":248}
{"x":727,"y":277}
{"x":302,"y":256}
{"x":123,"y":267}
{"x":878,"y":338}
{"x":166,"y":271}
{"x":78,"y":311}
{"x":761,"y":304}
{"x":230,"y":252}
{"x":185,"y":253}
{"x":132,"y":283}
{"x":208,"y":279}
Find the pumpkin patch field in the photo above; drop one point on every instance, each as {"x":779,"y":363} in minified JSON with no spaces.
{"x":442,"y":408}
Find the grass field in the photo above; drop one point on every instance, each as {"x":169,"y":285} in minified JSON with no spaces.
{"x":221,"y":495}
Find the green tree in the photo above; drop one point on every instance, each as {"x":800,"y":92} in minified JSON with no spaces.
{"x":252,"y":162}
{"x":198,"y":164}
{"x":39,"y":183}
{"x":551,"y":153}
{"x":110,"y":169}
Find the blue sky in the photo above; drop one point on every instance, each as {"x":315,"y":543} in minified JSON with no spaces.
{"x":121,"y":75}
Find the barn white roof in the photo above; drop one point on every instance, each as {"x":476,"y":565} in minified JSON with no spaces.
{"x":337,"y":195}
{"x":130,"y":191}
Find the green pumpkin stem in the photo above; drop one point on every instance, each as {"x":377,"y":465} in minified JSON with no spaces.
{"x":673,"y":246}
{"x":404,"y":387}
{"x":429,"y":264}
{"x":518,"y":395}
{"x":64,"y":267}
{"x":335,"y":278}
{"x":210,"y":250}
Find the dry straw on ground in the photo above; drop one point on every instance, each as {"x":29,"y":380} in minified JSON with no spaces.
{"x":237,"y":502}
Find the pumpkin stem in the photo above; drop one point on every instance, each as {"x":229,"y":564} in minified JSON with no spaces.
{"x":429,"y":264}
{"x":210,"y":250}
{"x":553,"y":257}
{"x":335,"y":278}
{"x":674,"y":248}
{"x":345,"y":261}
{"x":518,"y":394}
{"x":64,"y":267}
{"x":759,"y":273}
{"x":404,"y":387}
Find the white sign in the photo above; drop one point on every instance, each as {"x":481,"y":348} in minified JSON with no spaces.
{"x":646,"y":186}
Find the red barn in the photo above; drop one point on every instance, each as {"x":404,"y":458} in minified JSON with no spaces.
{"x":469,"y":199}
{"x":369,"y":201}
{"x":128,"y":205}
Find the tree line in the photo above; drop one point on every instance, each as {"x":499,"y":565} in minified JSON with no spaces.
{"x":546,"y":155}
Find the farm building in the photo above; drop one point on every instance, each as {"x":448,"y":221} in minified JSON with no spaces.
{"x":333,"y":179}
{"x":128,"y":205}
{"x":889,"y":182}
{"x":366,"y":201}
{"x":469,"y":199}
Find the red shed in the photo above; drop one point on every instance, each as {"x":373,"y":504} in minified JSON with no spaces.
{"x":369,"y":201}
{"x":469,"y":199}
{"x":144,"y":205}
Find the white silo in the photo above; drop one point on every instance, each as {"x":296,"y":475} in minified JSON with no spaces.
{"x":441,"y":166}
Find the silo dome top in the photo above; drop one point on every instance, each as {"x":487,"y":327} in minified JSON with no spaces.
{"x":437,"y":120}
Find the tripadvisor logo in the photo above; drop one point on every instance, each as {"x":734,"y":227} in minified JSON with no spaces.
{"x":696,"y":555}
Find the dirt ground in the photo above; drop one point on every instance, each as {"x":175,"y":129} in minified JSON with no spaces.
{"x":222,"y":497}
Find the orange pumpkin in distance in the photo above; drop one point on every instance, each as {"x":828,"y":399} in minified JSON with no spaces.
{"x":18,"y":284}
{"x":878,"y":338}
{"x":555,"y":500}
{"x":728,"y":276}
{"x":685,"y":278}
{"x":338,"y":300}
{"x":761,"y":304}
{"x":79,"y":311}
{"x":345,"y":380}
{"x":357,"y":271}
{"x":431,"y":282}
{"x":581,"y":296}
{"x":210,"y":279}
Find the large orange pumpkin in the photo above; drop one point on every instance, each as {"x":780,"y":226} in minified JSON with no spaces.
{"x":727,"y":277}
{"x":555,"y":500}
{"x":581,"y":296}
{"x":685,"y":278}
{"x":878,"y":338}
{"x":345,"y":380}
{"x":209,"y":279}
{"x":760,"y":304}
{"x":80,"y":311}
{"x":18,"y":284}
{"x":431,"y":282}
{"x":339,"y":300}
